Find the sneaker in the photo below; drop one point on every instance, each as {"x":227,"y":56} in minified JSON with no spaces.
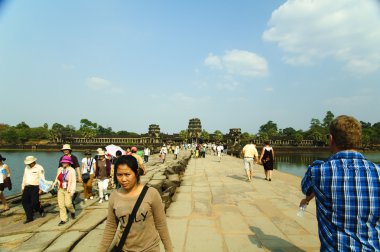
{"x":106,"y":197}
{"x":73,"y":216}
{"x":91,"y":197}
{"x":101,"y":201}
{"x":270,"y":179}
{"x":62,"y":223}
{"x":85,"y":199}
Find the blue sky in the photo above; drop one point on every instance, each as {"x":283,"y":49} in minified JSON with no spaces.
{"x":128,"y":64}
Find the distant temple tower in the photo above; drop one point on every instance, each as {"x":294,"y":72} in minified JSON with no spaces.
{"x":234,"y":136}
{"x":154,"y":133}
{"x":194,"y":129}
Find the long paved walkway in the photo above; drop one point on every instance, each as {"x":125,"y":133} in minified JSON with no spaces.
{"x":215,"y":209}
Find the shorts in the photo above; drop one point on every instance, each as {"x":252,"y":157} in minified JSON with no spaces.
{"x":248,"y":164}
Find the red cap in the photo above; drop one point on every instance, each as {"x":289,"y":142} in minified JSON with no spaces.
{"x":134,"y":149}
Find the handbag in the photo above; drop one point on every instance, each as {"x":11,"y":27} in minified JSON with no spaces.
{"x":131,"y":218}
{"x":8,"y":183}
{"x":86,"y":176}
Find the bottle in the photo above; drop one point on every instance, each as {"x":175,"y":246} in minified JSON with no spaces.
{"x":301,"y":210}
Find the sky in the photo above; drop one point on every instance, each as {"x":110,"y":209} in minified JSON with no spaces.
{"x":232,"y":64}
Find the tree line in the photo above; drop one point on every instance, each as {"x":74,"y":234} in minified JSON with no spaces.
{"x":22,"y":133}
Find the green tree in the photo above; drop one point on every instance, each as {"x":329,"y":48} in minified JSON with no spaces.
{"x":10,"y":135}
{"x":298,"y":137}
{"x":183,"y":134}
{"x":22,"y":125}
{"x":56,"y":133}
{"x":205,"y":136}
{"x":327,"y":120}
{"x":270,"y":128}
{"x":218,"y":135}
{"x":288,"y":132}
{"x":104,"y":131}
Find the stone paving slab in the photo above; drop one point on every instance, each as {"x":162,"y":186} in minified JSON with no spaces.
{"x":39,"y":241}
{"x":90,"y":242}
{"x":65,"y":241}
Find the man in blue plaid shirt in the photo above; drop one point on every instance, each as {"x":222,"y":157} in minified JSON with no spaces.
{"x":347,"y":192}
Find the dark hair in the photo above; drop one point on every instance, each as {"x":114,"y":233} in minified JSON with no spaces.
{"x":266,"y":142}
{"x":118,"y":153}
{"x":346,"y":132}
{"x":131,"y":162}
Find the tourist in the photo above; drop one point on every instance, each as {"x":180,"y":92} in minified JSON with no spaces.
{"x":219,"y":150}
{"x":66,"y":149}
{"x":149,"y":224}
{"x":250,"y":154}
{"x":176,"y":152}
{"x":163,"y":153}
{"x":146,"y":154}
{"x":30,"y":189}
{"x":67,"y":184}
{"x":4,"y":174}
{"x":102,"y":175}
{"x":346,"y":189}
{"x":88,"y":171}
{"x":114,"y":183}
{"x":140,"y":161}
{"x":267,"y":159}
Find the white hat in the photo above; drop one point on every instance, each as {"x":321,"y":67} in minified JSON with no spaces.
{"x":101,"y":153}
{"x":30,"y":159}
{"x":66,"y":147}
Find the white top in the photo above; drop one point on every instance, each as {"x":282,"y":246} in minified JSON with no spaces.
{"x":219,"y":148}
{"x":88,"y":164}
{"x":32,"y":175}
{"x":164,"y":150}
{"x":146,"y":152}
{"x":3,"y":173}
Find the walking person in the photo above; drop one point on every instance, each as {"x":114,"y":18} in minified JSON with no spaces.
{"x":102,"y":175}
{"x":163,"y":153}
{"x":30,"y":189}
{"x":148,"y":226}
{"x":347,"y":191}
{"x":88,"y":173}
{"x":176,"y":152}
{"x":140,"y":161}
{"x":67,"y":184}
{"x":219,"y":150}
{"x":146,"y":154}
{"x":67,"y":151}
{"x":250,"y":154}
{"x":4,"y":174}
{"x":267,"y":159}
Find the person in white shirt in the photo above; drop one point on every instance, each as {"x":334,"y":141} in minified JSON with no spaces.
{"x":30,"y":188}
{"x":163,"y":153}
{"x":4,"y":174}
{"x":219,"y":150}
{"x":146,"y":154}
{"x":88,"y":171}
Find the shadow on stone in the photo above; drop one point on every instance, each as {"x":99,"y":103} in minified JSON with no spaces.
{"x":271,"y":242}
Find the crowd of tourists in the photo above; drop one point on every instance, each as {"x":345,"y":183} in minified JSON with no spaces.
{"x":346,"y":188}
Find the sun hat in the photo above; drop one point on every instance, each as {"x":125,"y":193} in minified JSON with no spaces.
{"x":66,"y":159}
{"x":134,"y":149}
{"x":2,"y":158}
{"x":30,"y":159}
{"x":66,"y":147}
{"x":101,"y":153}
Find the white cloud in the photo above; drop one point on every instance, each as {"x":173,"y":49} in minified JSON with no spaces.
{"x":269,"y":89}
{"x":98,"y":83}
{"x":213,"y":61}
{"x":343,"y":30}
{"x":239,"y":62}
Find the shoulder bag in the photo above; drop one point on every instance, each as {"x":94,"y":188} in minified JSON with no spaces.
{"x":131,"y":218}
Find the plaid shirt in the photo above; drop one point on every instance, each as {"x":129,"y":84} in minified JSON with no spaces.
{"x":347,"y":194}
